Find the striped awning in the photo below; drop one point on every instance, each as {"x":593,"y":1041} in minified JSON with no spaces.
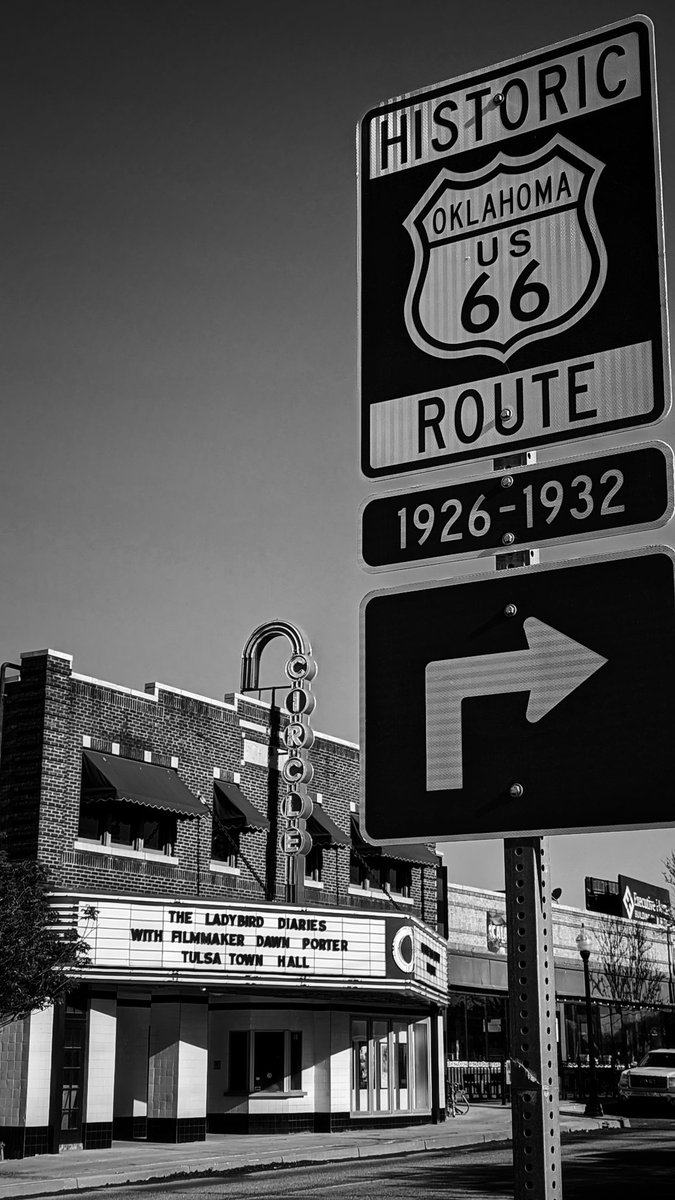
{"x":324,"y":831}
{"x":422,"y":855}
{"x":233,"y":809}
{"x":111,"y":777}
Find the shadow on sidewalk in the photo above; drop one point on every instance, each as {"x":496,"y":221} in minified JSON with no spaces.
{"x":621,"y":1174}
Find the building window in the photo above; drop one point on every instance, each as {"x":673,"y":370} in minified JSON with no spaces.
{"x":381,"y":874}
{"x":238,"y":1062}
{"x":397,"y":876}
{"x":476,"y":1027}
{"x":132,"y":804}
{"x":265,"y":1061}
{"x":314,"y":864}
{"x":225,"y":847}
{"x":622,"y":1034}
{"x":117,"y":823}
{"x":269,"y":1073}
{"x":358,"y":876}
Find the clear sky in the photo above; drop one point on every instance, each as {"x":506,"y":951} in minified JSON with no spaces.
{"x":179,"y":415}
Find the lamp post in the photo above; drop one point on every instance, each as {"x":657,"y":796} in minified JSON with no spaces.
{"x":593,"y":1105}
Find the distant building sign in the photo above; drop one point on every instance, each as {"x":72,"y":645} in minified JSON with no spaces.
{"x":496,"y":933}
{"x":145,"y":939}
{"x":644,"y":901}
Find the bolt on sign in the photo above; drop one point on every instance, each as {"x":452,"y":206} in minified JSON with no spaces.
{"x":511,"y":260}
{"x":533,"y":701}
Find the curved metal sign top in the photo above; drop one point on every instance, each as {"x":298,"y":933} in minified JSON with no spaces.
{"x":259,"y":639}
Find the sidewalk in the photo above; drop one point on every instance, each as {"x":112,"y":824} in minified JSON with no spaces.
{"x":136,"y":1162}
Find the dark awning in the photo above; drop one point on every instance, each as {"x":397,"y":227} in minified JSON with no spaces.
{"x":324,"y":831}
{"x":401,"y":851}
{"x":110,"y":777}
{"x":233,"y":809}
{"x":406,"y":852}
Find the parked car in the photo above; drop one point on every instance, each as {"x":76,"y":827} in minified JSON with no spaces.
{"x":652,"y":1079}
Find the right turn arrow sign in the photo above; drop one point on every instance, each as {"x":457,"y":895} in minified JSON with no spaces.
{"x":552,"y":667}
{"x":525,"y":702}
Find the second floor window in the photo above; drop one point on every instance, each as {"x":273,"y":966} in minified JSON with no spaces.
{"x":132,"y":803}
{"x":225,"y":846}
{"x":314,"y":864}
{"x":381,"y":873}
{"x":397,"y":876}
{"x":358,"y":875}
{"x":118,"y":823}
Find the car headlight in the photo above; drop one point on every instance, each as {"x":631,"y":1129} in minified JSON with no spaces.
{"x":671,"y":1083}
{"x":623,"y":1078}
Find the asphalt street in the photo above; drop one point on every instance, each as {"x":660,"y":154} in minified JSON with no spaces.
{"x":619,"y":1164}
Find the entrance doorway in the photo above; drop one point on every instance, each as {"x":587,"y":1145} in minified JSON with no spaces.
{"x":390,"y":1065}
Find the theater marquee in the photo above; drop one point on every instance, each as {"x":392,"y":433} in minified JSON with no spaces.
{"x":216,"y":944}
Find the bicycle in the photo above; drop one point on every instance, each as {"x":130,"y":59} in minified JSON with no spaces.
{"x":458,"y":1104}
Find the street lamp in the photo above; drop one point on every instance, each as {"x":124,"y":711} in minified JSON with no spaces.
{"x":593,"y":1105}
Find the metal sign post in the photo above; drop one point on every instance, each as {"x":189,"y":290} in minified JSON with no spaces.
{"x":531,"y":985}
{"x":532,"y":1035}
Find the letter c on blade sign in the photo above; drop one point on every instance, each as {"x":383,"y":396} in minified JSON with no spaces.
{"x":297,"y":770}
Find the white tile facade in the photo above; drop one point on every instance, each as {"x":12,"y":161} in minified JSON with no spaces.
{"x":101,"y":1059}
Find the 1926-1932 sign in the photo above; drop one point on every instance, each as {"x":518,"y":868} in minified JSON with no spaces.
{"x":569,"y":500}
{"x":511,"y":257}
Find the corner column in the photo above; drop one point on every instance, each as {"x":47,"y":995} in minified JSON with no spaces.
{"x":177,"y":1075}
{"x":25,"y":1070}
{"x":97,"y":1127}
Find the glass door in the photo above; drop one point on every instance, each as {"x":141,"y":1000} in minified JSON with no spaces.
{"x":380,"y":1099}
{"x":421,"y":1044}
{"x":72,"y":1086}
{"x":360,"y":1067}
{"x":390,"y":1065}
{"x":400,"y":1066}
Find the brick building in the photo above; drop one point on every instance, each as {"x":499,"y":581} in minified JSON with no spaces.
{"x":628,"y":1018}
{"x":216,"y":998}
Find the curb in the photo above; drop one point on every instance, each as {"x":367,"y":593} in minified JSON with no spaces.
{"x":215,"y":1165}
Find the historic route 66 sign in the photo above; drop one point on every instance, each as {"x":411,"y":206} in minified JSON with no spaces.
{"x":513,"y":249}
{"x":512,"y":287}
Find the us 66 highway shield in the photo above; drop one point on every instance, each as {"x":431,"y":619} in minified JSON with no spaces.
{"x":570,"y":500}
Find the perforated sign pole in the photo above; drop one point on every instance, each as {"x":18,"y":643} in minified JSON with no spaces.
{"x":531,"y":982}
{"x":532,"y":1038}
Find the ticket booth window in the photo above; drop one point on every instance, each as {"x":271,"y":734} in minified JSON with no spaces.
{"x":265,"y":1061}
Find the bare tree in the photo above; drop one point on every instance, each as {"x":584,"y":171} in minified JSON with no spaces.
{"x":669,"y":873}
{"x":629,"y":973}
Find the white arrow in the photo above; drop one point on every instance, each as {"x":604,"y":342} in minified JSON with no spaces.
{"x":552,"y":667}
